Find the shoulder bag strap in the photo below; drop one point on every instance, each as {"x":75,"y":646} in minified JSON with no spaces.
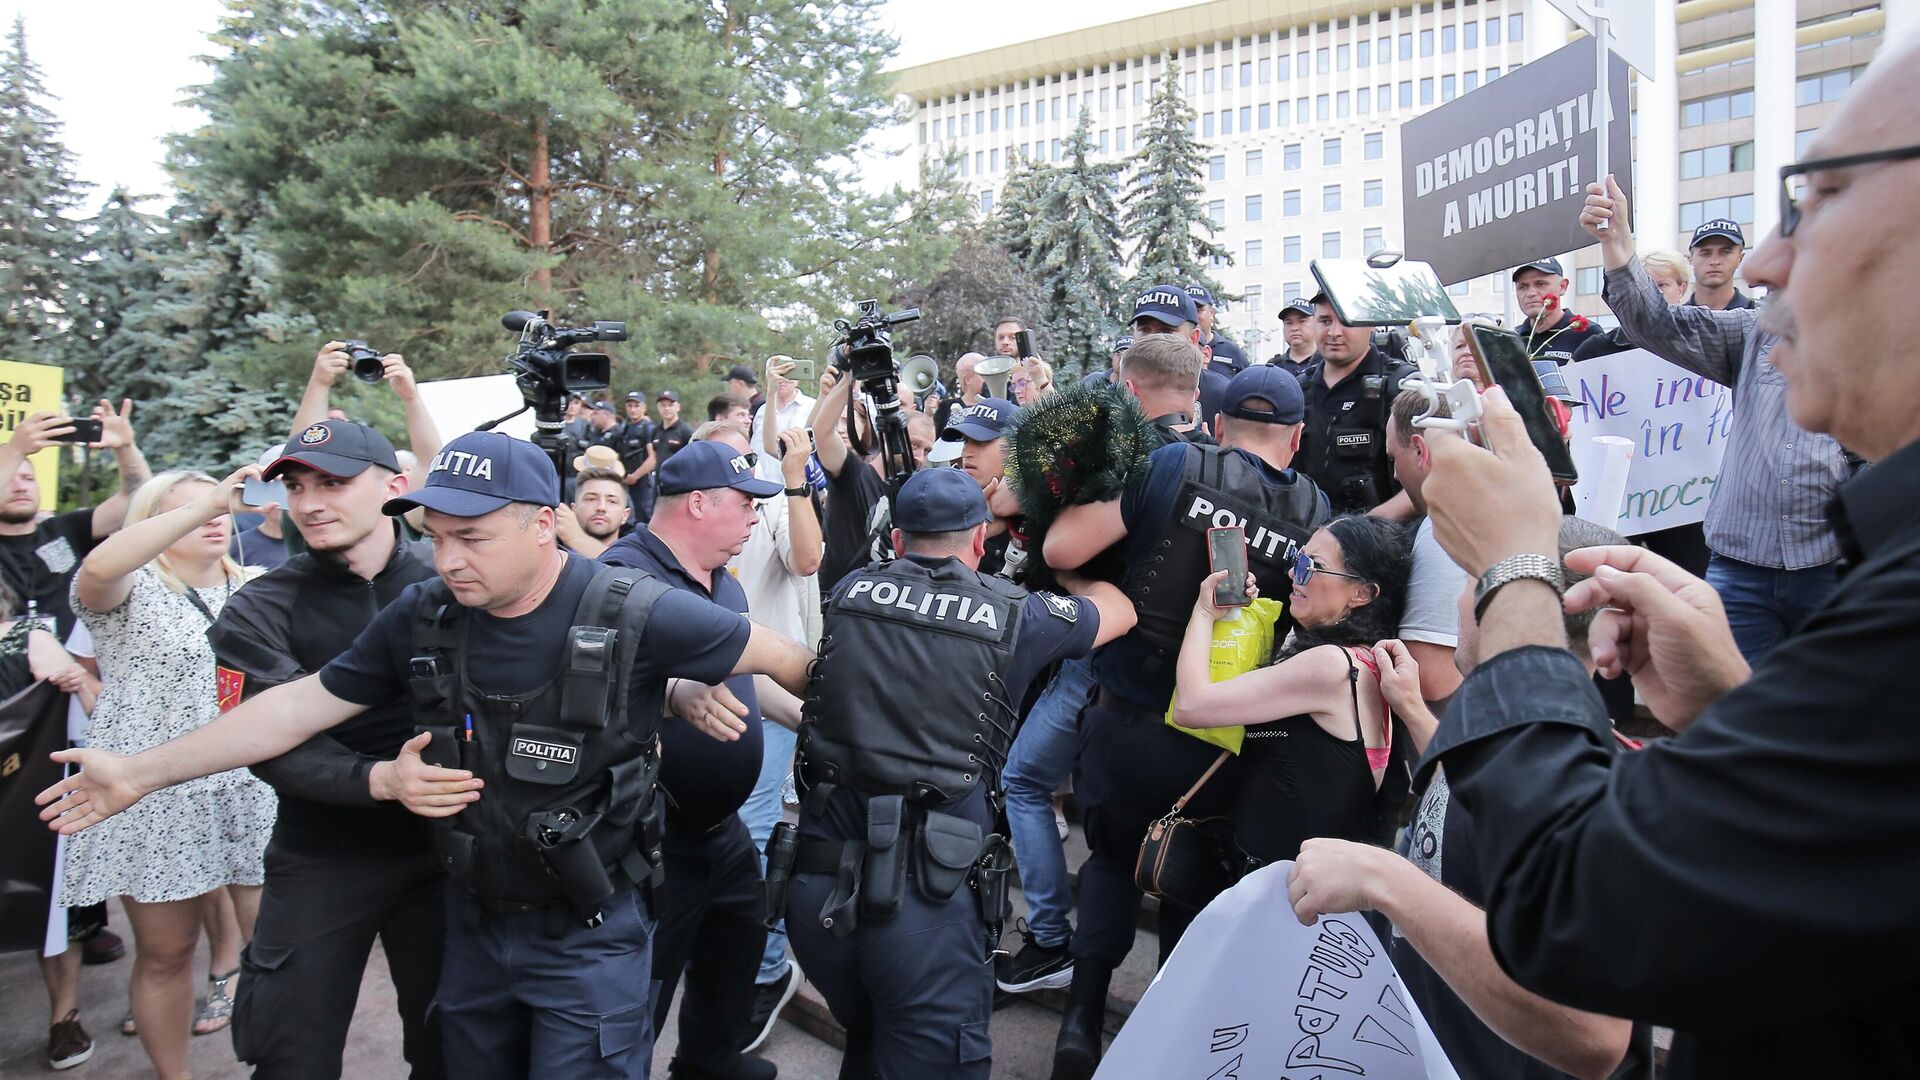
{"x":1180,"y":804}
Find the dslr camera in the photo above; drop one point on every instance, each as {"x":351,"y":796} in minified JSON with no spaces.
{"x":367,"y":366}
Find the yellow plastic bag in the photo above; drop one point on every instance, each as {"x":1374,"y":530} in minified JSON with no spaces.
{"x":1239,"y":646}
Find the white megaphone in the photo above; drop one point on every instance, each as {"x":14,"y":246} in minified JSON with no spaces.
{"x":920,"y":373}
{"x":995,"y":371}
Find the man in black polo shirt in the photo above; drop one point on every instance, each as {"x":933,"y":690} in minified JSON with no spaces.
{"x":1302,"y":332}
{"x":1349,"y":391}
{"x":671,"y":434}
{"x":1552,"y":332}
{"x":1223,"y":356}
{"x":1715,"y":254}
{"x":635,"y":445}
{"x":346,"y":863}
{"x":712,"y":911}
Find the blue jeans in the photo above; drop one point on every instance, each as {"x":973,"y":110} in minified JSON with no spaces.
{"x":760,"y":813}
{"x":1765,"y":604}
{"x":1044,"y":755}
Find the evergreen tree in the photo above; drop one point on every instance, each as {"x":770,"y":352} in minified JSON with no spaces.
{"x":958,"y":305}
{"x":1077,"y":255}
{"x":1015,"y":224}
{"x":117,"y":281}
{"x":38,"y":239}
{"x":1170,"y":230}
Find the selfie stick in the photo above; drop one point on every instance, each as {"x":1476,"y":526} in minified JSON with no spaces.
{"x":1430,"y":346}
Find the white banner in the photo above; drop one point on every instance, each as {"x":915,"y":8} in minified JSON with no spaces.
{"x":1677,"y":422}
{"x":460,"y":405}
{"x":1251,"y":993}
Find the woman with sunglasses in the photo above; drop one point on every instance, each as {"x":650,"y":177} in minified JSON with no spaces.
{"x":1319,"y":734}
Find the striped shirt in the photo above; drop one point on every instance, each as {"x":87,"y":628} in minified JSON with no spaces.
{"x":1770,"y":504}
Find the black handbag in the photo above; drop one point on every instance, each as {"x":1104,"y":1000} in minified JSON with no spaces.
{"x":1186,"y":860}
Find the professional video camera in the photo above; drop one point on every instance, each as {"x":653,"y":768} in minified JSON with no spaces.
{"x":865,"y":354}
{"x":547,"y":371}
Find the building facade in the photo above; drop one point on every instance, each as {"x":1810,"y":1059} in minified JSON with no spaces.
{"x":1298,"y":104}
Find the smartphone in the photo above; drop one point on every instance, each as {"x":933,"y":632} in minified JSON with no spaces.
{"x":1503,"y":356}
{"x":1023,"y":345}
{"x":84,"y":431}
{"x":258,"y":492}
{"x":1227,"y":550}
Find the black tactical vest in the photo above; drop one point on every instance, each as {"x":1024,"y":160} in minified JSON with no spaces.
{"x":1218,"y":488}
{"x":568,"y":808}
{"x":909,"y":696}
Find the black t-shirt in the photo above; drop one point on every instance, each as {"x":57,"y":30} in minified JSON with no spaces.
{"x":706,"y":780}
{"x":253,"y":547}
{"x":853,"y":498}
{"x":687,"y":637}
{"x":1560,"y":341}
{"x":39,"y":565}
{"x":668,"y":441}
{"x":1345,"y":433}
{"x":634,"y":439}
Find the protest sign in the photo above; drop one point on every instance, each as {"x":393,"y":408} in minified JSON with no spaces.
{"x":1629,"y":29}
{"x":460,"y":405}
{"x":1249,"y":992}
{"x":26,"y":389}
{"x":1678,"y":423}
{"x":1498,"y":176}
{"x":33,"y":724}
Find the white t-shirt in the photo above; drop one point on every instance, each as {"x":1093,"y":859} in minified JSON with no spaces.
{"x":787,"y":416}
{"x":1432,"y":614}
{"x":777,"y":598}
{"x":80,"y":645}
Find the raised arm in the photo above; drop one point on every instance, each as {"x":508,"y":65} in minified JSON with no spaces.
{"x":805,"y":548}
{"x":106,"y":577}
{"x":777,"y":656}
{"x":1313,"y":682}
{"x":422,"y":433}
{"x":116,"y":434}
{"x":832,"y":450}
{"x":330,"y":364}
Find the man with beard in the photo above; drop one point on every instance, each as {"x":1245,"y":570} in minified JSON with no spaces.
{"x":592,"y":522}
{"x":347,"y":862}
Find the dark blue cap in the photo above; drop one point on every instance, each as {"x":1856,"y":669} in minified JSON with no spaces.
{"x":339,"y":448}
{"x":983,"y":421}
{"x":1717,"y":227}
{"x":637,"y":395}
{"x":1280,"y":398}
{"x":1124,"y":343}
{"x":1168,"y":304}
{"x":1545,"y":266}
{"x":667,"y":395}
{"x":1299,"y":305}
{"x":938,"y":501}
{"x":1200,"y":295}
{"x":603,"y":405}
{"x":699,"y":466}
{"x":480,"y":472}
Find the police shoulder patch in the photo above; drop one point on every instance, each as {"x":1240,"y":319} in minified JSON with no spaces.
{"x":314,"y":435}
{"x":1060,"y":607}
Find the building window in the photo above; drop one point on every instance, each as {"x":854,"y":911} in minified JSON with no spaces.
{"x":1300,"y":109}
{"x":1493,"y":73}
{"x":1226,"y":121}
{"x":1374,"y":145}
{"x":1217,"y":212}
{"x":1426,"y":43}
{"x":1290,"y":157}
{"x":1330,"y":245}
{"x":986,"y":202}
{"x":1282,"y":117}
{"x":1374,"y":239}
{"x":1053,"y":150}
{"x":1330,"y":199}
{"x":1246,"y":73}
{"x":1737,"y":207}
{"x":1426,"y":91}
{"x":1330,"y":152}
{"x":1406,"y":94}
{"x":1470,"y":35}
{"x":1266,"y":116}
{"x":993,"y":159}
{"x":1206,"y":126}
{"x":1830,"y":86}
{"x":1120,"y":140}
{"x":1406,"y":46}
{"x":923,"y":133}
{"x":1363,"y":104}
{"x":1493,"y":32}
{"x":1323,"y":107}
{"x":1716,"y":160}
{"x":1256,"y":297}
{"x":1026,"y":116}
{"x":1322,"y":59}
{"x":1516,"y":28}
{"x":1290,"y":249}
{"x":1300,"y":63}
{"x":1383,"y":99}
{"x":1342,"y":57}
{"x":1284,"y":65}
{"x":1217,"y":167}
{"x":1716,"y":109}
{"x":1373,"y":193}
{"x":1256,"y":162}
{"x":1342,"y":105}
{"x":1246,"y":118}
{"x":1266,"y":71}
{"x":1801,"y":140}
{"x":1460,"y":288}
{"x":1290,"y":203}
{"x":1363,"y":53}
{"x":1290,"y":292}
{"x":1056,"y":108}
{"x":1106,"y":139}
{"x":1253,"y":208}
{"x":1449,"y":89}
{"x":1206,"y":81}
{"x":1587,"y":279}
{"x":1256,"y":253}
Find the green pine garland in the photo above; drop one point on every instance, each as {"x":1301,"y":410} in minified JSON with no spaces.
{"x":1079,"y":445}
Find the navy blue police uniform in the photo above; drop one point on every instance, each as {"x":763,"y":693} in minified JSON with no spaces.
{"x":1343,"y":446}
{"x":1133,"y":766}
{"x":894,"y":880}
{"x":549,"y":915}
{"x":712,"y":905}
{"x":635,"y":442}
{"x":341,"y":868}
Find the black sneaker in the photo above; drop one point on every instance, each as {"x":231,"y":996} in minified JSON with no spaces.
{"x":68,"y":1044}
{"x":1034,"y":967}
{"x":104,"y":947}
{"x":768,"y":1000}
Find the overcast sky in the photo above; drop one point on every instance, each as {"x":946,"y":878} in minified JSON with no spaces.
{"x":119,"y":68}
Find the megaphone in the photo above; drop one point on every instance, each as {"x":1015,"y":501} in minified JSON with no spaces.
{"x":919,"y":373}
{"x":995,"y":371}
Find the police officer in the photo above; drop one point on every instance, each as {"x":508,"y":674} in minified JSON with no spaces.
{"x":1551,"y":331}
{"x":976,"y":438}
{"x":542,"y":677}
{"x":1223,"y":356}
{"x":1301,"y":328}
{"x":635,"y":446}
{"x":1349,"y":390}
{"x":1133,"y":766}
{"x":346,"y":863}
{"x":1169,"y":309}
{"x":896,"y":886}
{"x":712,"y":910}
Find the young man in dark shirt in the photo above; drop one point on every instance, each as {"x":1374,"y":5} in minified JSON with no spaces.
{"x":1551,"y":331}
{"x":856,"y":526}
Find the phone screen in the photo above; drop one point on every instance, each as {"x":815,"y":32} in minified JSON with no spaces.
{"x":1503,"y":356}
{"x":1227,"y":550}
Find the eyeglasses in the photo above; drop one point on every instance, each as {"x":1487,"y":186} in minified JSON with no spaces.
{"x":1304,"y":568}
{"x":1790,"y":202}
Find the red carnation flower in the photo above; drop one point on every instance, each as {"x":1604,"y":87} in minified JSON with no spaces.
{"x":1579,"y":324}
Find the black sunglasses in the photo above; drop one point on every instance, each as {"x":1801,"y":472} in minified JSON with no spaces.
{"x":1790,"y":202}
{"x":1304,"y":568}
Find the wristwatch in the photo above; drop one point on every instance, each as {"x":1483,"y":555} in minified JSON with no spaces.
{"x":797,"y":492}
{"x":1513,"y":568}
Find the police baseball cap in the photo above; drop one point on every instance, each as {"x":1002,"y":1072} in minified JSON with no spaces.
{"x":1299,"y":305}
{"x":603,"y":405}
{"x":339,"y":448}
{"x":743,"y":373}
{"x":1123,"y":343}
{"x":983,"y":421}
{"x":1717,"y":227}
{"x":1200,"y":295}
{"x":667,"y":395}
{"x":637,"y":395}
{"x":938,"y":501}
{"x":706,"y":464}
{"x":1166,"y":304}
{"x":1545,"y":266}
{"x":480,"y":472}
{"x":1266,"y":394}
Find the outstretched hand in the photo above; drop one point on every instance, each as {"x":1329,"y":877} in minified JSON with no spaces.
{"x":711,"y":709}
{"x":102,"y":787}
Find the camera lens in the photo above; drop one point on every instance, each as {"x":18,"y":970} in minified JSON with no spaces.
{"x":368,"y":368}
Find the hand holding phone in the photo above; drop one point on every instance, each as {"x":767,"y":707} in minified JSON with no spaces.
{"x":84,"y":431}
{"x":1023,"y":345}
{"x":1227,"y":550}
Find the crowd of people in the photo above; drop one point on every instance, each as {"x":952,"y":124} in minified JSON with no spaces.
{"x":732,"y":702}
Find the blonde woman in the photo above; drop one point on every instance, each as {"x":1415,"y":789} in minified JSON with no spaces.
{"x":1032,"y":381}
{"x":148,"y":594}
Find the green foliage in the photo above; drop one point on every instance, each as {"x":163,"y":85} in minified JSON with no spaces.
{"x":958,"y":306}
{"x":1077,"y":256}
{"x":37,"y":193}
{"x":1170,"y":230}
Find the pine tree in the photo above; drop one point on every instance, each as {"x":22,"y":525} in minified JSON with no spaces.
{"x":1170,"y":230}
{"x":118,"y":280}
{"x":38,"y":240}
{"x":959,"y":304}
{"x":1015,"y":222}
{"x":1077,"y":255}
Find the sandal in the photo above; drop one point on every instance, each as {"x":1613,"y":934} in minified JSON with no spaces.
{"x":215,"y":1011}
{"x":126,"y":1025}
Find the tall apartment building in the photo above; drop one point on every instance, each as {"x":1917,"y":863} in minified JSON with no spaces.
{"x":1299,"y":102}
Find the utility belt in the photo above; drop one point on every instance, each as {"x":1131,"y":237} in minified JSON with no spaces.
{"x":937,"y":852}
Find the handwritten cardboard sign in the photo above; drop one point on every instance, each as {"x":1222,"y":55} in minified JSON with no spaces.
{"x":1677,"y":422}
{"x":1249,"y":992}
